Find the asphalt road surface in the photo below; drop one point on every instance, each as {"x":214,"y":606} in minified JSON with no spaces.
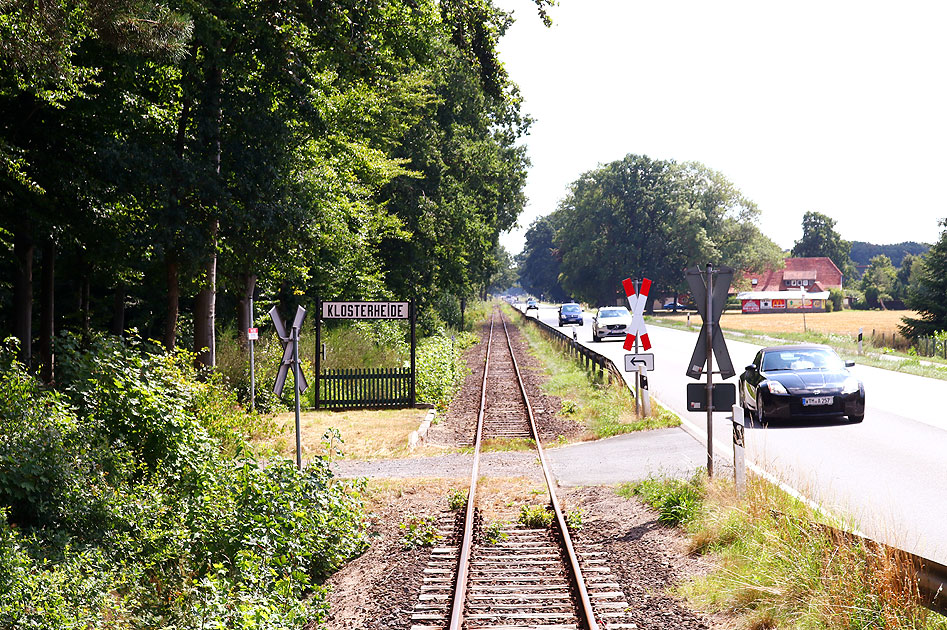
{"x":887,"y":475}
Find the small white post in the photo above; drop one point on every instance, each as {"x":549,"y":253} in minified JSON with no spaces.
{"x":860,"y":330}
{"x":645,"y":395}
{"x":739,"y":460}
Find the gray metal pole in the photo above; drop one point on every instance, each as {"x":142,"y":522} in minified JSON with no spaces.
{"x":710,"y":369}
{"x":296,"y":379}
{"x":252,"y":365}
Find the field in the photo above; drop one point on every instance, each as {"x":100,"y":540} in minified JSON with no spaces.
{"x":845,"y":322}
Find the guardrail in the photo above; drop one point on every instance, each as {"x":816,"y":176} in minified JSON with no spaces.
{"x":931,"y":575}
{"x":594,"y":362}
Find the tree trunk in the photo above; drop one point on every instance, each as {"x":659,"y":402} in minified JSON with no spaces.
{"x":173,"y":302}
{"x":248,"y":282}
{"x":204,"y":308}
{"x":118,"y":310}
{"x":47,"y":313}
{"x":23,"y":293}
{"x":86,"y":304}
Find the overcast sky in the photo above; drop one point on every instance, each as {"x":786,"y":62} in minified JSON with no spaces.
{"x":837,"y":107}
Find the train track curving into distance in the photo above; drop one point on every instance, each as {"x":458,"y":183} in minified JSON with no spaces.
{"x":531,"y":578}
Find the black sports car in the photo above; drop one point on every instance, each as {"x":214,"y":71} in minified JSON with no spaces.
{"x":802,"y":380}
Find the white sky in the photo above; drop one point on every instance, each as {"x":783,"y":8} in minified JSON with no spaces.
{"x":838,"y":107}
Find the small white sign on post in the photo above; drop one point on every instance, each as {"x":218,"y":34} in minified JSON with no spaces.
{"x":253,"y":334}
{"x":640,"y":359}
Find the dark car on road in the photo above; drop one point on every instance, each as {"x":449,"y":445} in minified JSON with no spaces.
{"x":570,"y":314}
{"x":786,"y":382}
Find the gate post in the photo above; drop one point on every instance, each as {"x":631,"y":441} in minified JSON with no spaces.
{"x":413,"y":346}
{"x":318,"y":359}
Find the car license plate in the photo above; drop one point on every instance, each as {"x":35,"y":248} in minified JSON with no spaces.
{"x":821,"y":400}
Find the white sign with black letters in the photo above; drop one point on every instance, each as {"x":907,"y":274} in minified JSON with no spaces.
{"x":366,"y":310}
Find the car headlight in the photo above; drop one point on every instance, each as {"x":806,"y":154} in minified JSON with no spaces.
{"x":851,"y":385}
{"x":775,"y":387}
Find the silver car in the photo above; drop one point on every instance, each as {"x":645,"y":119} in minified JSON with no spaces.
{"x":611,"y":321}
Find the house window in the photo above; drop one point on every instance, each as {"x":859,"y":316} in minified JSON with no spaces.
{"x":754,"y":282}
{"x":805,"y":283}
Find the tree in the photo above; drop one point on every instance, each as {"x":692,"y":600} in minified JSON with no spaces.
{"x":641,"y":217}
{"x":819,"y":238}
{"x":929,"y":295}
{"x":878,"y":281}
{"x":538,"y":263}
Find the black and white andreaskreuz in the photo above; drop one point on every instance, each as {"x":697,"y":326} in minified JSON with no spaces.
{"x":366,"y":310}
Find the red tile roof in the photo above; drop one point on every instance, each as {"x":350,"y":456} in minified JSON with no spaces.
{"x":820,"y":274}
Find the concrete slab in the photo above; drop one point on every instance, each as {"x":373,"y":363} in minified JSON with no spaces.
{"x":631,"y":457}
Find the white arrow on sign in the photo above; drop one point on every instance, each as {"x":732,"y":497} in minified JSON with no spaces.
{"x":632,"y":361}
{"x":637,"y":300}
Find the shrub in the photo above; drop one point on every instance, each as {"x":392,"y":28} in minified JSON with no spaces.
{"x":456,"y":499}
{"x":440,"y":366}
{"x":675,"y":500}
{"x":419,"y":531}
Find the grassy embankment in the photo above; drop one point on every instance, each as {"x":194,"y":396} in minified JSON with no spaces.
{"x":604,"y":409}
{"x":838,"y":329}
{"x":777,"y":565}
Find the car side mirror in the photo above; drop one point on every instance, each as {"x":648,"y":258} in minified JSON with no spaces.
{"x":849,"y":364}
{"x":751,"y":368}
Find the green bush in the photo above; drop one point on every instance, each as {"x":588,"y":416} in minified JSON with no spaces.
{"x":676,"y":501}
{"x":535,"y":516}
{"x":440,"y":365}
{"x":118,"y":509}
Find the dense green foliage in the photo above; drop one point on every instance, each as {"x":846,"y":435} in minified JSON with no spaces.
{"x":119,"y":508}
{"x":677,"y":501}
{"x":819,"y":238}
{"x":862,"y":252}
{"x":161,"y":158}
{"x":539,"y":263}
{"x":648,"y":218}
{"x":927,"y":292}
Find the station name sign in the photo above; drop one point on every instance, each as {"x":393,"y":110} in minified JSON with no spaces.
{"x":366,"y":310}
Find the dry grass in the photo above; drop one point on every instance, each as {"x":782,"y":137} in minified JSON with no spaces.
{"x":845,"y":322}
{"x":366,"y":434}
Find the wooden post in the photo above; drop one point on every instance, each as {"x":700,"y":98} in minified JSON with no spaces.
{"x":413,"y":346}
{"x":317,"y":368}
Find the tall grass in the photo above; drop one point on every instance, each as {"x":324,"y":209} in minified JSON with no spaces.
{"x":779,"y":565}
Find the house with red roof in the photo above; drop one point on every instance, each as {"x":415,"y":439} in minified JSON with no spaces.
{"x":802,"y":285}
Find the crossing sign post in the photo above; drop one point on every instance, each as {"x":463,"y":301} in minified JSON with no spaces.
{"x":710,"y":297}
{"x":637,"y":297}
{"x":291,"y":359}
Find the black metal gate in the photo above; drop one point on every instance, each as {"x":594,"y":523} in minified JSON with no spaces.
{"x":378,"y":387}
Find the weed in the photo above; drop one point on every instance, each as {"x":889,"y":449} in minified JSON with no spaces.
{"x":456,"y":498}
{"x":675,"y":500}
{"x":574,"y":520}
{"x":493,"y":533}
{"x":568,"y":407}
{"x":535,"y":516}
{"x":419,"y":531}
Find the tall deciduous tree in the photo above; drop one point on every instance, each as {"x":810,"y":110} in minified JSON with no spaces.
{"x":819,"y":238}
{"x":641,"y":217}
{"x":539,"y":264}
{"x":878,"y":280}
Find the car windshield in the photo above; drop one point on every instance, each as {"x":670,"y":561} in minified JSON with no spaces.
{"x":802,"y":359}
{"x":612,"y":312}
{"x":571,"y":308}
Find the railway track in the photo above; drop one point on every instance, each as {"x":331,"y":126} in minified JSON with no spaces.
{"x":529,"y":578}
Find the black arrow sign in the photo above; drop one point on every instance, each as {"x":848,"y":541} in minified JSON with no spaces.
{"x":698,"y":286}
{"x":287,"y":361}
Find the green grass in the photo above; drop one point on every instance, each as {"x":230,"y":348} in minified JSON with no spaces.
{"x":845,"y":345}
{"x":777,"y":564}
{"x":604,"y":409}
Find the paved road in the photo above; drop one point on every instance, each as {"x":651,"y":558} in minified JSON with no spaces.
{"x":888,"y":474}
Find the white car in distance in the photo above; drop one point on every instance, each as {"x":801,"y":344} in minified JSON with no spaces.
{"x":611,"y":321}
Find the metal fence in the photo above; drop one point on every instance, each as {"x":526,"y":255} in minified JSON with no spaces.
{"x":379,"y":387}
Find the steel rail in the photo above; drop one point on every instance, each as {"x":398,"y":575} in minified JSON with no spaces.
{"x":463,"y":560}
{"x":586,"y":612}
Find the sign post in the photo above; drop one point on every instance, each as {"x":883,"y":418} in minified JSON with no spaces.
{"x":710,"y":298}
{"x":860,"y":330}
{"x":252,"y":335}
{"x":637,"y":297}
{"x":291,"y":358}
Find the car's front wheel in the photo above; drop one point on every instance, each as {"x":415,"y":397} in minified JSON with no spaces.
{"x":760,"y":416}
{"x":856,"y":418}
